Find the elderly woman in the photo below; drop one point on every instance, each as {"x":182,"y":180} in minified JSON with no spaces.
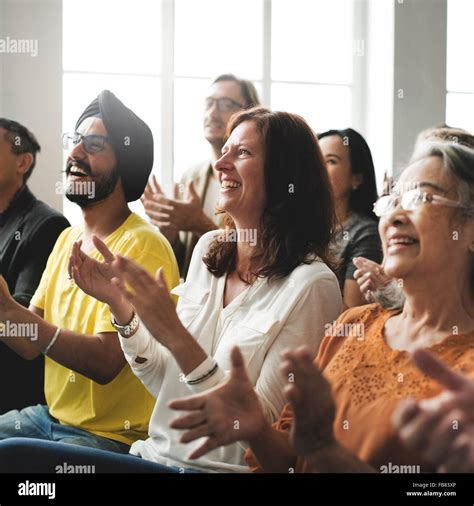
{"x":263,"y":284}
{"x":373,"y":283}
{"x":342,"y":421}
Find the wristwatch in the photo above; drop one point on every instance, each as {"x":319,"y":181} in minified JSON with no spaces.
{"x":129,"y":329}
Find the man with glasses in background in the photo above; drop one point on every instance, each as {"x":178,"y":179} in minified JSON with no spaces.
{"x":28,"y":230}
{"x":192,"y":211}
{"x":93,"y":398}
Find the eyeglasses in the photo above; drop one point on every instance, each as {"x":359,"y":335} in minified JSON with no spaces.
{"x":410,"y":201}
{"x":223,"y":104}
{"x":92,"y":143}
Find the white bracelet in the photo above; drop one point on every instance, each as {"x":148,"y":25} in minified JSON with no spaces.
{"x":204,"y":377}
{"x":209,"y":368}
{"x":53,"y":340}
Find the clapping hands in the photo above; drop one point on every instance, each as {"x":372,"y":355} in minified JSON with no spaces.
{"x":440,"y":428}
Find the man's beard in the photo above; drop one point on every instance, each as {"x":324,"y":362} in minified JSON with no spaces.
{"x":101,"y":186}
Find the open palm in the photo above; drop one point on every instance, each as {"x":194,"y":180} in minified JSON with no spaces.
{"x":226,"y":414}
{"x":309,"y":395}
{"x":91,"y":276}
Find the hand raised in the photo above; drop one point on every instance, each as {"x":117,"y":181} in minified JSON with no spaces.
{"x":225,"y":414}
{"x":370,"y":276}
{"x":183,"y":214}
{"x":157,"y":207}
{"x":90,"y":275}
{"x":150,"y":297}
{"x":309,"y":395}
{"x":435,"y":427}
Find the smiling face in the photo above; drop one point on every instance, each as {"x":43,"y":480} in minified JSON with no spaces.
{"x":431,"y":239}
{"x":91,"y":177}
{"x":338,"y":162}
{"x":241,"y":174}
{"x":215,"y":120}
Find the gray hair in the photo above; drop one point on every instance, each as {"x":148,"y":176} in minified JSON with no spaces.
{"x":458,"y":160}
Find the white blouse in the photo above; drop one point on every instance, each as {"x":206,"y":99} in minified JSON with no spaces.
{"x":263,"y":320}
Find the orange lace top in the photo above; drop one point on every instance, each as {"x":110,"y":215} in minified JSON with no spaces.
{"x":368,"y":380}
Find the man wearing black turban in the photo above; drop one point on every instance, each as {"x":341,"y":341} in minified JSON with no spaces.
{"x":93,"y":398}
{"x":132,"y":142}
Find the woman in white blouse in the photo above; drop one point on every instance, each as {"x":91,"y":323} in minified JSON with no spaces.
{"x":262,"y":284}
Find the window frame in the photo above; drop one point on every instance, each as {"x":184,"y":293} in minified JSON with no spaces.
{"x":164,"y":168}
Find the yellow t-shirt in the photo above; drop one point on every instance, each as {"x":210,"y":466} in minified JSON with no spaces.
{"x":121,"y":409}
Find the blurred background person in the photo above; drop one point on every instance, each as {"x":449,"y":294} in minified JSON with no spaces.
{"x":351,"y":171}
{"x":445,"y":133}
{"x":192,"y":211}
{"x":28,"y":231}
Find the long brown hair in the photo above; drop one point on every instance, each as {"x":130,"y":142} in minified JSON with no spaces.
{"x":298,"y":220}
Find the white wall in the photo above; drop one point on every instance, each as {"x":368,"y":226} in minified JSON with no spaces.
{"x":419,"y":72}
{"x":31,"y":87}
{"x":406,"y":77}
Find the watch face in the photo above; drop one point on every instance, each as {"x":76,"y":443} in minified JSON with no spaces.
{"x":126,"y":330}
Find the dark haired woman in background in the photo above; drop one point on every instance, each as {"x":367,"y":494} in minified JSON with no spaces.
{"x":262,"y":284}
{"x":351,"y":171}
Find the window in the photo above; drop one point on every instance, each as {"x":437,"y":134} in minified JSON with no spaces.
{"x":159,"y":60}
{"x":228,"y":39}
{"x":123,"y":56}
{"x":460,"y":72}
{"x":311,"y":65}
{"x":227,"y":36}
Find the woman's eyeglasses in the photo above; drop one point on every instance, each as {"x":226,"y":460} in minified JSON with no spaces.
{"x":92,"y":143}
{"x":410,"y":201}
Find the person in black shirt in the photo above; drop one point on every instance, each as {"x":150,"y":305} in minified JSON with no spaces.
{"x":28,"y":231}
{"x":352,"y":175}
